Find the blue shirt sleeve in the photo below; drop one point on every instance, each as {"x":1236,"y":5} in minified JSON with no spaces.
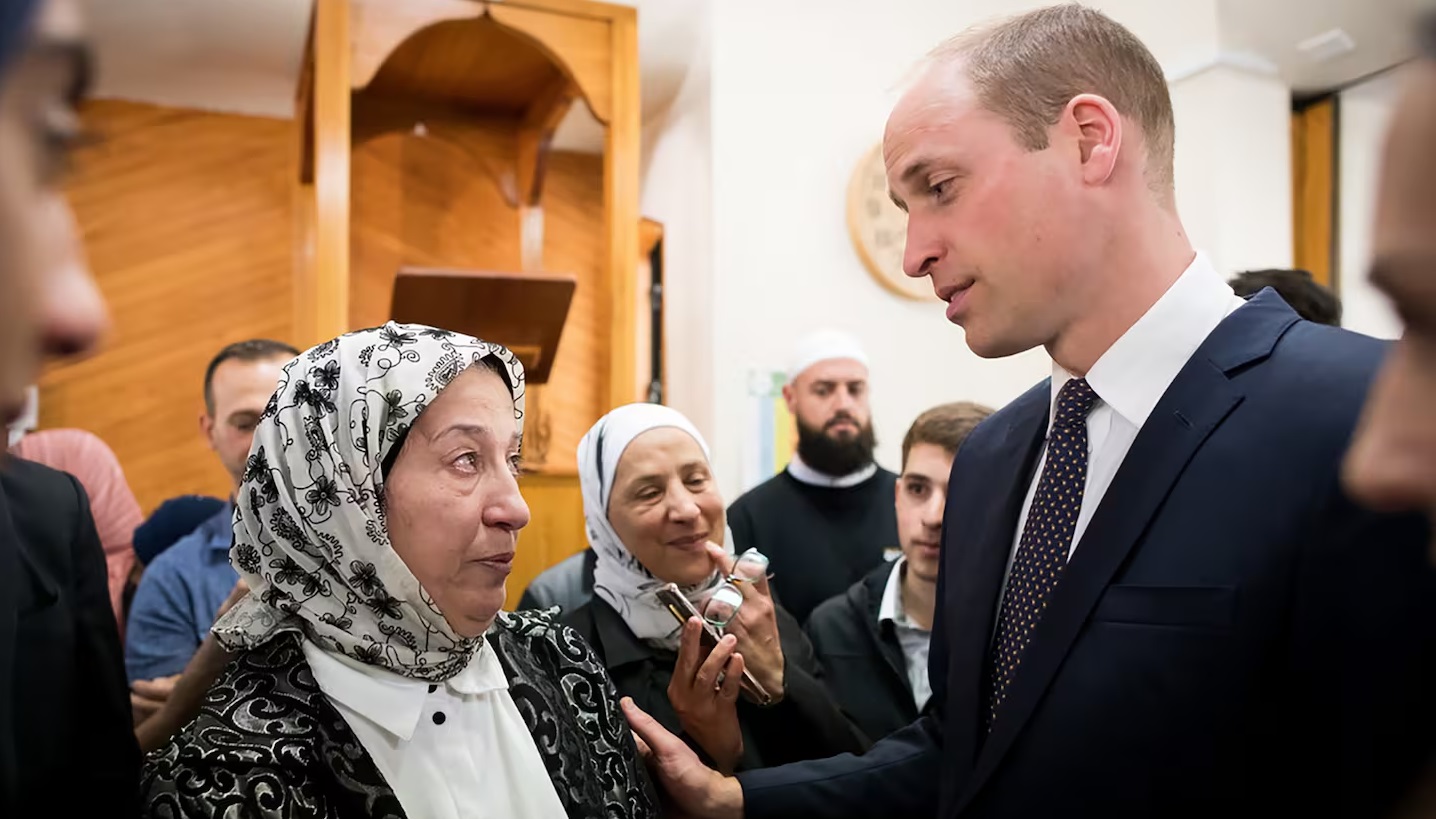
{"x":160,"y":635}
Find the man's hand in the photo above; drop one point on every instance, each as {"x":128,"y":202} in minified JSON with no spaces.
{"x":147,"y":697}
{"x":693,"y":789}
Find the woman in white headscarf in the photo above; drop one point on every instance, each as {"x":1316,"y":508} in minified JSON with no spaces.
{"x":655,"y":516}
{"x":376,"y":675}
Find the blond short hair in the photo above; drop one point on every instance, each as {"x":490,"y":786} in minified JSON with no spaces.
{"x":1027,"y":68}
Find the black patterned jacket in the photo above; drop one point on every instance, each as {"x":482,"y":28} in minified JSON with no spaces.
{"x":268,"y":743}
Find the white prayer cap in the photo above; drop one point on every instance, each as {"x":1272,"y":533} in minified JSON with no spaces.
{"x":825,"y":345}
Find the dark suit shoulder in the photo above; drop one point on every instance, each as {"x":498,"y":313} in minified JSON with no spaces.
{"x":44,"y":502}
{"x":848,"y":612}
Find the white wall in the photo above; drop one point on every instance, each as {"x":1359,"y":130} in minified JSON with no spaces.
{"x":1362,"y":115}
{"x":678,"y":191}
{"x":1233,"y":165}
{"x":797,"y":93}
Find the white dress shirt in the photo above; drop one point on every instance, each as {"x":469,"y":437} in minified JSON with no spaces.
{"x":914,"y":639}
{"x":454,"y":749}
{"x":1131,"y":377}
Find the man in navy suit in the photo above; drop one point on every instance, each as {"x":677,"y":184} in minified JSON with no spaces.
{"x":1155,"y":600}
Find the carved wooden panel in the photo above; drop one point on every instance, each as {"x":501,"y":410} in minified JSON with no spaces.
{"x":555,"y":530}
{"x":420,"y":202}
{"x":187,"y":220}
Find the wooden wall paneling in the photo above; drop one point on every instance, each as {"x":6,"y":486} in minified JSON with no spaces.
{"x":425,"y":202}
{"x":1314,"y":190}
{"x":555,"y":530}
{"x":621,"y":179}
{"x":186,"y":216}
{"x":420,"y":202}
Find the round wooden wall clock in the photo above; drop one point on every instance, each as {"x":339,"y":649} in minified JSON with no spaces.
{"x":879,"y":228}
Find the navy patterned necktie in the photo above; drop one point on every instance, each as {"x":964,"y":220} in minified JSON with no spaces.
{"x":1046,"y":538}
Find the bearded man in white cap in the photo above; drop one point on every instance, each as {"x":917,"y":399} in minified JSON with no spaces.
{"x":826,"y":520}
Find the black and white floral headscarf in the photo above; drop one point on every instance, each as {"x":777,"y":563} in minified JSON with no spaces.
{"x":309,"y":531}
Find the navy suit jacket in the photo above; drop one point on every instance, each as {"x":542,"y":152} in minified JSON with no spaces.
{"x":67,"y":738}
{"x":1232,"y":637}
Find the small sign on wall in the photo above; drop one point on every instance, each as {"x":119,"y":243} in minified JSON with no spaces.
{"x":768,"y":429}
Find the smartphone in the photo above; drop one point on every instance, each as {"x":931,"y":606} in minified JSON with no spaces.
{"x":678,"y":605}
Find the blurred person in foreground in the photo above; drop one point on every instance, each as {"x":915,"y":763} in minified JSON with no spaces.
{"x":66,"y":741}
{"x":1392,"y":462}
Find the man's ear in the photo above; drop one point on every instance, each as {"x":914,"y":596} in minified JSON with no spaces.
{"x":1099,"y":135}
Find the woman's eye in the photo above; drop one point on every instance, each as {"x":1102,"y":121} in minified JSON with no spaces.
{"x":468,"y":460}
{"x":516,"y":464}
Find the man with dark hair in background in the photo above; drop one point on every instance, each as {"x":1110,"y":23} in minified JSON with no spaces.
{"x":1297,"y":288}
{"x":181,"y":592}
{"x":827,"y":519}
{"x":872,"y":640}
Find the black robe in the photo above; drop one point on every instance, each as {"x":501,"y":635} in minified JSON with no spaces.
{"x":268,"y":743}
{"x":820,"y":539}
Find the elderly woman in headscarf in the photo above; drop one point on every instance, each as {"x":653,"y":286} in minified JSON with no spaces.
{"x":655,"y":516}
{"x":376,"y":676}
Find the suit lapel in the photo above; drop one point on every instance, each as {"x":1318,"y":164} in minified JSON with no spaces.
{"x":975,"y":566}
{"x":10,"y":569}
{"x":1197,"y":402}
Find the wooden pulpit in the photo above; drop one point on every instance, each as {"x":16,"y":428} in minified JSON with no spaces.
{"x":428,"y":190}
{"x":524,"y":312}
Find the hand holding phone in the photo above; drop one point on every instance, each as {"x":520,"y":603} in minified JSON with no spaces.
{"x":678,"y":605}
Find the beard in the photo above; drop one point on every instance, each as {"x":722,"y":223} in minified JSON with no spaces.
{"x":836,"y":455}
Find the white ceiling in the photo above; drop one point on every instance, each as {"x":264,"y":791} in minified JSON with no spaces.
{"x":1271,"y":30}
{"x":244,"y":56}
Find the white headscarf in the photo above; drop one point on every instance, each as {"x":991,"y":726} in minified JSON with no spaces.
{"x":309,"y":531}
{"x":618,"y":577}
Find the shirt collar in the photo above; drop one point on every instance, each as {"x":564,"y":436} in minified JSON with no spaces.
{"x":890,"y":609}
{"x":806,"y":474}
{"x":218,"y":531}
{"x":1134,"y":373}
{"x":390,"y":701}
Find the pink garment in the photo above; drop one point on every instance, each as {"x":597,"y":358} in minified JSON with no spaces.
{"x":112,"y":504}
